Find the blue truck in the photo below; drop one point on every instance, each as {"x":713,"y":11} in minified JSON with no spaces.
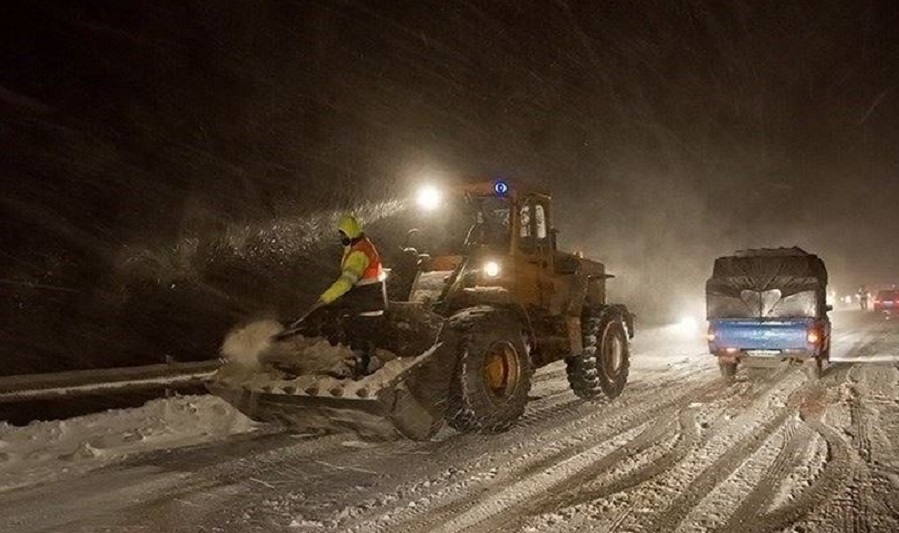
{"x":768,"y":305}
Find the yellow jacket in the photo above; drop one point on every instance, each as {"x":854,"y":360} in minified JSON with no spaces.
{"x":353,"y":265}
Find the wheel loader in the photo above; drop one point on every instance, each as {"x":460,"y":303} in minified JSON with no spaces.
{"x":492,"y":301}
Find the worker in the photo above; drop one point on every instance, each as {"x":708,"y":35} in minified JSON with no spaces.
{"x":863,"y":297}
{"x":358,"y":298}
{"x":360,"y":286}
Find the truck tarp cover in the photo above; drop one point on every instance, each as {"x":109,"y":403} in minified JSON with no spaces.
{"x":767,"y":283}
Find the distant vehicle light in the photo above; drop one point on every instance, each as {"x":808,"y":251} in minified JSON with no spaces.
{"x":429,"y":198}
{"x":688,"y":325}
{"x":491,"y":269}
{"x":710,"y":336}
{"x":501,"y":188}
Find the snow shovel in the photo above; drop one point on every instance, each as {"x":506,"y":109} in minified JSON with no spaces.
{"x":294,"y":327}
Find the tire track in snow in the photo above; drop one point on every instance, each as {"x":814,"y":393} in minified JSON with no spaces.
{"x":883,"y":458}
{"x":512,"y":447}
{"x":548,"y":497}
{"x":860,"y":485}
{"x":838,"y":469}
{"x":689,"y":441}
{"x":481,"y":514}
{"x":688,"y":437}
{"x":874,"y":497}
{"x":796,"y":441}
{"x":587,"y":490}
{"x":721,"y":469}
{"x":508,"y":503}
{"x":859,"y":510}
{"x":635,"y":415}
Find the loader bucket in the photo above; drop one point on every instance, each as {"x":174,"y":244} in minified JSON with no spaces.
{"x":381,"y":405}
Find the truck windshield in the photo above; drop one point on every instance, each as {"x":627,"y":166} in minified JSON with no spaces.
{"x":492,"y":223}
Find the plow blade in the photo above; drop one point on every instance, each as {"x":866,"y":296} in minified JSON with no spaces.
{"x":393,"y":415}
{"x":381,"y":405}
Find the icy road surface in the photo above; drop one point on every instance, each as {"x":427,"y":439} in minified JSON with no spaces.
{"x":678,"y":451}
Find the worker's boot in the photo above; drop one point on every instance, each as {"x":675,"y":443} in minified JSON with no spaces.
{"x":367,"y":362}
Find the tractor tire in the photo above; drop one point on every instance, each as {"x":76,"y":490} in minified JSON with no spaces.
{"x":728,"y":370}
{"x":490,"y":387}
{"x":602,"y":369}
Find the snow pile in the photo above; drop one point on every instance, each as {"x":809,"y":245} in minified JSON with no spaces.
{"x":43,"y":451}
{"x":309,"y":356}
{"x":252,"y":349}
{"x":271,"y":379}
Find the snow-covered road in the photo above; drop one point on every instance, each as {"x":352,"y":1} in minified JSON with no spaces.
{"x":678,"y":451}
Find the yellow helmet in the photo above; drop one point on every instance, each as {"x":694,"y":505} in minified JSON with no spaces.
{"x":350,"y":226}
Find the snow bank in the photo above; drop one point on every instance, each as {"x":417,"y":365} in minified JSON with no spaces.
{"x":43,"y":451}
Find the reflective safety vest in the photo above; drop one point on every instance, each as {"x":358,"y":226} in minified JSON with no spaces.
{"x":375,"y":271}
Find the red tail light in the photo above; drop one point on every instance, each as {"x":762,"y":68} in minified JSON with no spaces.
{"x":813,"y":336}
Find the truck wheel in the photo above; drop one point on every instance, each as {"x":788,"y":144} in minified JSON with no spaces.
{"x":493,"y":376}
{"x":728,"y":370}
{"x":603,"y":367}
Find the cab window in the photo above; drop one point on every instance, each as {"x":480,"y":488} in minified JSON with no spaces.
{"x":526,"y":228}
{"x":540,"y":220}
{"x":525,"y":221}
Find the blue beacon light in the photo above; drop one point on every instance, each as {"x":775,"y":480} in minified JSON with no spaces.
{"x":501,"y":188}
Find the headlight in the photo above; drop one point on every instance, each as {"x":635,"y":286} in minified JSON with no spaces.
{"x":429,"y":198}
{"x":491,"y":269}
{"x":688,"y":325}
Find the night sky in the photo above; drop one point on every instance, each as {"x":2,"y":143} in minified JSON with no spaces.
{"x":171,"y":167}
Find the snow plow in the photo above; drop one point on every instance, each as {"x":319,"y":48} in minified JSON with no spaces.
{"x":489,"y":302}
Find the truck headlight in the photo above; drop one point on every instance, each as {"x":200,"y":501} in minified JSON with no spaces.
{"x":492,"y":269}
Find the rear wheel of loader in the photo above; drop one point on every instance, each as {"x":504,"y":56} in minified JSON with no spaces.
{"x":493,"y":377}
{"x":603,"y":367}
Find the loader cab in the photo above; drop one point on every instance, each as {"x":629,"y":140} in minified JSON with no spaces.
{"x":512,"y":230}
{"x":507,"y":254}
{"x":513,"y":222}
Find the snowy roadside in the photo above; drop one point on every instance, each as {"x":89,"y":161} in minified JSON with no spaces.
{"x":45,"y":451}
{"x":48,"y":451}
